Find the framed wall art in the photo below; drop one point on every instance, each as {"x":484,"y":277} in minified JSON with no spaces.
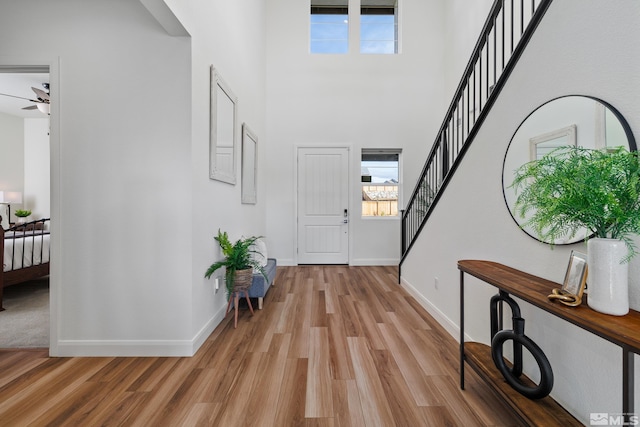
{"x":249,"y":166}
{"x":222,"y":131}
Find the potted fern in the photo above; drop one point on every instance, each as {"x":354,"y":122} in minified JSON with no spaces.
{"x":574,"y":188}
{"x":239,"y":262}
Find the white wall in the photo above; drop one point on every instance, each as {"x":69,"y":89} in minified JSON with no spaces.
{"x":12,"y":158}
{"x":120,"y":172}
{"x":25,"y":164}
{"x":133,"y":209}
{"x":230,"y":36}
{"x":37,"y":172}
{"x":596,"y":54}
{"x":354,"y":100}
{"x":463,"y":24}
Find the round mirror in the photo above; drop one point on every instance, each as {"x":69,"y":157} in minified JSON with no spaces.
{"x":570,"y":120}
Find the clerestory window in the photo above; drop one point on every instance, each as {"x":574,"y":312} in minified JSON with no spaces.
{"x":329,"y":29}
{"x":379,"y":26}
{"x":329,"y":26}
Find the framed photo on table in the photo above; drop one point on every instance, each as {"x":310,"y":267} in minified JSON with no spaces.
{"x":575,"y":280}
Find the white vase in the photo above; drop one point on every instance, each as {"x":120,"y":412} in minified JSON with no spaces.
{"x":608,"y":277}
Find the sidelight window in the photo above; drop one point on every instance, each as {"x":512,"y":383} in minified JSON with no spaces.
{"x":380,"y":180}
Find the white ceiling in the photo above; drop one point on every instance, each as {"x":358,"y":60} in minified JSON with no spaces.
{"x":19,"y":84}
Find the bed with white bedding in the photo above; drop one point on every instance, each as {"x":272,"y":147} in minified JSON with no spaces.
{"x":25,"y":253}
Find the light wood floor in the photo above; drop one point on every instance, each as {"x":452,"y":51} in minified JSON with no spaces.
{"x":334,"y":346}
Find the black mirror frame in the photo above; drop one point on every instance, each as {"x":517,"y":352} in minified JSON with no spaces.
{"x":625,"y":126}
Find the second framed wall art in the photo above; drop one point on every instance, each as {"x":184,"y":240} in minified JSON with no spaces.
{"x":249,"y":166}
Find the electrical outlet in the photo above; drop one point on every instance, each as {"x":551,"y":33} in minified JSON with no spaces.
{"x":436,"y":282}
{"x":217,"y":284}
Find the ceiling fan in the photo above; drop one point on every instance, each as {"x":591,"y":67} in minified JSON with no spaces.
{"x":42,"y":101}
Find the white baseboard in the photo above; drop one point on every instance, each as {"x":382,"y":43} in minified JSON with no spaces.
{"x":135,"y":348}
{"x":374,"y":261}
{"x":118,"y":348}
{"x":207,"y":329}
{"x":353,"y":262}
{"x":449,"y":325}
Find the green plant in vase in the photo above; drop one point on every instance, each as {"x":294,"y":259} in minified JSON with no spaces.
{"x":238,"y":258}
{"x":573,"y":189}
{"x":22,"y":214}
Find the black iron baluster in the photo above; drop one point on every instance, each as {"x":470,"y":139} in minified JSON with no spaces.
{"x":464,"y":116}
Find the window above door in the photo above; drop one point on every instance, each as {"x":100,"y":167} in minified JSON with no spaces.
{"x":378,"y":26}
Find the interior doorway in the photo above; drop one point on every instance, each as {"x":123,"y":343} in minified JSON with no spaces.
{"x":25,"y":172}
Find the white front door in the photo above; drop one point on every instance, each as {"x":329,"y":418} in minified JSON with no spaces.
{"x":323,"y":200}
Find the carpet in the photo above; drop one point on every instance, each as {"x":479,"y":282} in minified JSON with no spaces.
{"x":25,"y":321}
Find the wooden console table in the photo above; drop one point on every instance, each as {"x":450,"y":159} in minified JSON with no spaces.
{"x":623,"y":331}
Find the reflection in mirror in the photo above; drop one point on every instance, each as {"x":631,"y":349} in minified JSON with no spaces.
{"x":542,"y":145}
{"x":571,"y":120}
{"x":222,"y":133}
{"x":249,"y":168}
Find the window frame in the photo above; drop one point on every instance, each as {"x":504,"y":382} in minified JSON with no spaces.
{"x":392,"y":8}
{"x":342,"y":11}
{"x":387,"y":10}
{"x":381,"y":151}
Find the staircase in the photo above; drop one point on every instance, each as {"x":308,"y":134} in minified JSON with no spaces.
{"x":505,"y":34}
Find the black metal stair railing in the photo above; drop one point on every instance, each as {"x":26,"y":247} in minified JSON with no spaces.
{"x":504,"y":36}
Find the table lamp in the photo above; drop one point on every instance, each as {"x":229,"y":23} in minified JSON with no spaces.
{"x":8,"y":197}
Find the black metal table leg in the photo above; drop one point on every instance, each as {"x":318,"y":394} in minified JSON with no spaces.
{"x":461,"y":330}
{"x":627,"y":383}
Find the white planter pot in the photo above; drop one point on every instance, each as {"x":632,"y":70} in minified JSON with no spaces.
{"x":608,"y":279}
